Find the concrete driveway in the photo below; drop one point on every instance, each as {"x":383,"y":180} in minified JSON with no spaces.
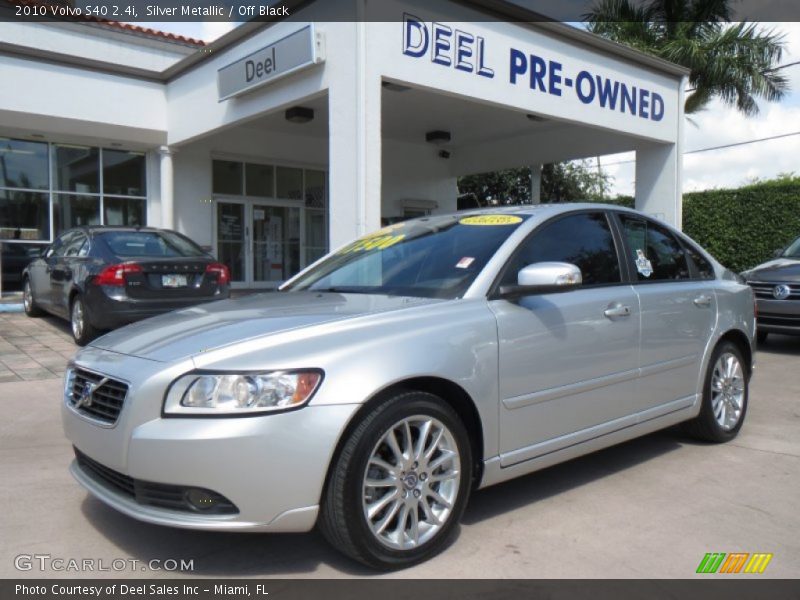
{"x":649,"y":508}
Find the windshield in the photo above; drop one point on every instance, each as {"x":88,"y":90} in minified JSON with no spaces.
{"x":793,"y":251}
{"x":155,"y":244}
{"x":432,"y":257}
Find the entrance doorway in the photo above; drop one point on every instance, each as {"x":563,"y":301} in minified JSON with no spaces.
{"x":259,"y":241}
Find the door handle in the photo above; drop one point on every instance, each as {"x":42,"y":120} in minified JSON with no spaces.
{"x":617,"y":311}
{"x":703,"y":300}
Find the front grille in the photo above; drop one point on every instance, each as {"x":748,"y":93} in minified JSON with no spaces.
{"x":94,"y":395}
{"x":161,"y":495}
{"x":763,"y":289}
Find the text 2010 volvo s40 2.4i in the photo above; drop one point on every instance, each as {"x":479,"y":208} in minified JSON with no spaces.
{"x":387,"y":381}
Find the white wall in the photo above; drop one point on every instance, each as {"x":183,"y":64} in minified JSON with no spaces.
{"x":415,"y":172}
{"x":96,"y":43}
{"x":68,"y":100}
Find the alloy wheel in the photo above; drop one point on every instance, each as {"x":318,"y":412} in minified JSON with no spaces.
{"x":27,"y":296}
{"x":411,"y":482}
{"x":77,"y":319}
{"x":727,"y":391}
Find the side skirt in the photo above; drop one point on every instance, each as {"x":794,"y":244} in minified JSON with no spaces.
{"x":494,"y":472}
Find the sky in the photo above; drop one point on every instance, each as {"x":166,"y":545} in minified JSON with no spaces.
{"x":717,"y":125}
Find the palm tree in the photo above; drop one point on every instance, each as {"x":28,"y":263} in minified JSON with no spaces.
{"x":735,"y":62}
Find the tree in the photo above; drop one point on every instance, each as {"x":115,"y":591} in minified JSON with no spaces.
{"x":574,"y":181}
{"x":561,"y":182}
{"x":735,"y":62}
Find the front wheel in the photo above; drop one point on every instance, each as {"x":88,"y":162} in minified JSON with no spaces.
{"x":400,"y":484}
{"x":82,"y":330}
{"x":725,"y":395}
{"x":761,"y":336}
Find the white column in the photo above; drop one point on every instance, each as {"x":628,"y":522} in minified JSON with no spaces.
{"x":167,"y":188}
{"x":658,"y":186}
{"x":354,"y":130}
{"x":536,"y":184}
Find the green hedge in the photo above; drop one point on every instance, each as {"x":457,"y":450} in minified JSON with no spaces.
{"x":743,"y":227}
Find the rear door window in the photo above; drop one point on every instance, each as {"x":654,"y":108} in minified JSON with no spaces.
{"x":701,"y":264}
{"x":654,"y":251}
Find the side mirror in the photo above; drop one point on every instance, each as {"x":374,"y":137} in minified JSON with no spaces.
{"x":778,"y":253}
{"x":544,"y":278}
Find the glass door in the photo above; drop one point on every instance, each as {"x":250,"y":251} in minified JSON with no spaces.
{"x":275,"y":243}
{"x":231,"y":239}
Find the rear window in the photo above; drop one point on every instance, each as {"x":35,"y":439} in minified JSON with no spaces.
{"x":151,"y":244}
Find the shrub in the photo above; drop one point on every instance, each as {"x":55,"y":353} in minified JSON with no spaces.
{"x":743,"y":227}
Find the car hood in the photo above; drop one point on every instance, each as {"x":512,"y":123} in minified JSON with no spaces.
{"x":191,"y":331}
{"x":778,"y":270}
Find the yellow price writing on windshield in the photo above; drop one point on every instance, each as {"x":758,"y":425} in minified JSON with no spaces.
{"x":373,"y":242}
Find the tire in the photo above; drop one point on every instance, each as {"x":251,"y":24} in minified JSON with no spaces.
{"x":761,"y":336}
{"x":724,"y":407}
{"x":344,"y":519}
{"x":82,"y":330}
{"x":28,"y":303}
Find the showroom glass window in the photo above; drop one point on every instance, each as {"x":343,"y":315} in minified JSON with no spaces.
{"x":583,"y":239}
{"x":46,"y":188}
{"x":24,"y":191}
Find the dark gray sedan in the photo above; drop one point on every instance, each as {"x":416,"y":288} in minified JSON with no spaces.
{"x":776,"y":284}
{"x":100,"y":278}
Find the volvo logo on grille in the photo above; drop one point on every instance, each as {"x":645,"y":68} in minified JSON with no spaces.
{"x":86,"y":396}
{"x":781,"y":292}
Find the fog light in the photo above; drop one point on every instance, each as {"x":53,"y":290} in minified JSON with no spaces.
{"x":200,"y":499}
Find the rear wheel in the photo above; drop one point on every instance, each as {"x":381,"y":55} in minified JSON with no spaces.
{"x":725,"y":395}
{"x":82,"y":330}
{"x":761,"y":336}
{"x":400,"y":484}
{"x":31,"y":309}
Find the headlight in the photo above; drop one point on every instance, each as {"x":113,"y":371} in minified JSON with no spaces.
{"x":240,"y":393}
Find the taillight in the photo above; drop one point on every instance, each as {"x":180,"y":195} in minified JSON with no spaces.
{"x":223,"y":275}
{"x":116,"y":275}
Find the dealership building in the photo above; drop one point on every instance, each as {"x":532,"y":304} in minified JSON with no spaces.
{"x":281,"y":140}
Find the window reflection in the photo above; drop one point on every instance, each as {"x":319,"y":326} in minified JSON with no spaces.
{"x":77,"y":168}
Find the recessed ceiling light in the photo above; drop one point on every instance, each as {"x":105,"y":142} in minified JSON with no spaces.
{"x":299,"y":114}
{"x":438,"y":137}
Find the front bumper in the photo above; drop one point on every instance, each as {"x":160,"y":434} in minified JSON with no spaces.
{"x":778,"y":316}
{"x":271,"y":467}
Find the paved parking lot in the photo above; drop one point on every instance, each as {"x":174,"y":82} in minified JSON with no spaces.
{"x":33,"y":349}
{"x":648,"y":508}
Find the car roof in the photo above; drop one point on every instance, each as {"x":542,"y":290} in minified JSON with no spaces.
{"x":538,"y":209}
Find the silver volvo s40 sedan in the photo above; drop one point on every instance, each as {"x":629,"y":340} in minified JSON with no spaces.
{"x":380,"y":386}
